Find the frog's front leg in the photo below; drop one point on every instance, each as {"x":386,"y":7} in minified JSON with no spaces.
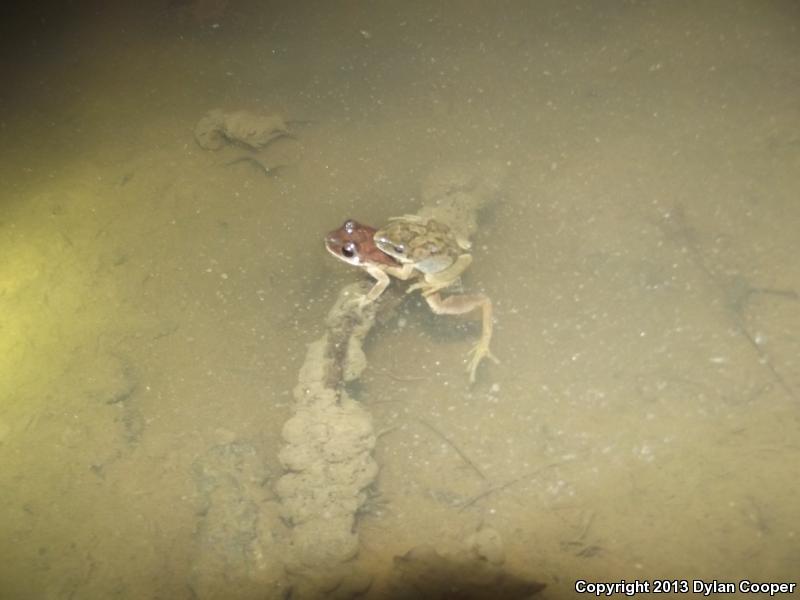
{"x":382,"y":280}
{"x":439,"y":280}
{"x":381,"y":283}
{"x":462,"y":304}
{"x":404,"y":272}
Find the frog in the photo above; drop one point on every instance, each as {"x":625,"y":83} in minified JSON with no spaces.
{"x":425,"y":246}
{"x":432,"y":251}
{"x":354,"y":243}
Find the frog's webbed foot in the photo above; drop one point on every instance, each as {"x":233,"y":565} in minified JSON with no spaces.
{"x":476,"y":355}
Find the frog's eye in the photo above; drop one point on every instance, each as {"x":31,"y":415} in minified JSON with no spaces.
{"x":349,"y":226}
{"x":349,"y":250}
{"x":400,"y":248}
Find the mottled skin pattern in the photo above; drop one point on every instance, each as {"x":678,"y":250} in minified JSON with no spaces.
{"x":425,"y":246}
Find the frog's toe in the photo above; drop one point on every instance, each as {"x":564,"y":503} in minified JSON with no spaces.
{"x":476,"y":355}
{"x":472,"y":368}
{"x":364,"y":301}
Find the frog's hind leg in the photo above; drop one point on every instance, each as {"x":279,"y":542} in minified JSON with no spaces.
{"x":434,"y":282}
{"x":463,"y":304}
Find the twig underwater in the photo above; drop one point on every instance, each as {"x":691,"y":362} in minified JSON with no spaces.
{"x":467,"y":460}
{"x":735,"y":291}
{"x":251,"y":160}
{"x":502,"y":486}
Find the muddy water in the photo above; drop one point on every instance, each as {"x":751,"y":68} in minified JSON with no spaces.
{"x":156,"y":302}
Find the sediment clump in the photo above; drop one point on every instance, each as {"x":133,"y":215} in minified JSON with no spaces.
{"x":218,"y":128}
{"x":328,"y":453}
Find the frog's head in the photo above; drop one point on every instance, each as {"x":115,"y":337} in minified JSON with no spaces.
{"x":353,"y":244}
{"x":396,"y":250}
